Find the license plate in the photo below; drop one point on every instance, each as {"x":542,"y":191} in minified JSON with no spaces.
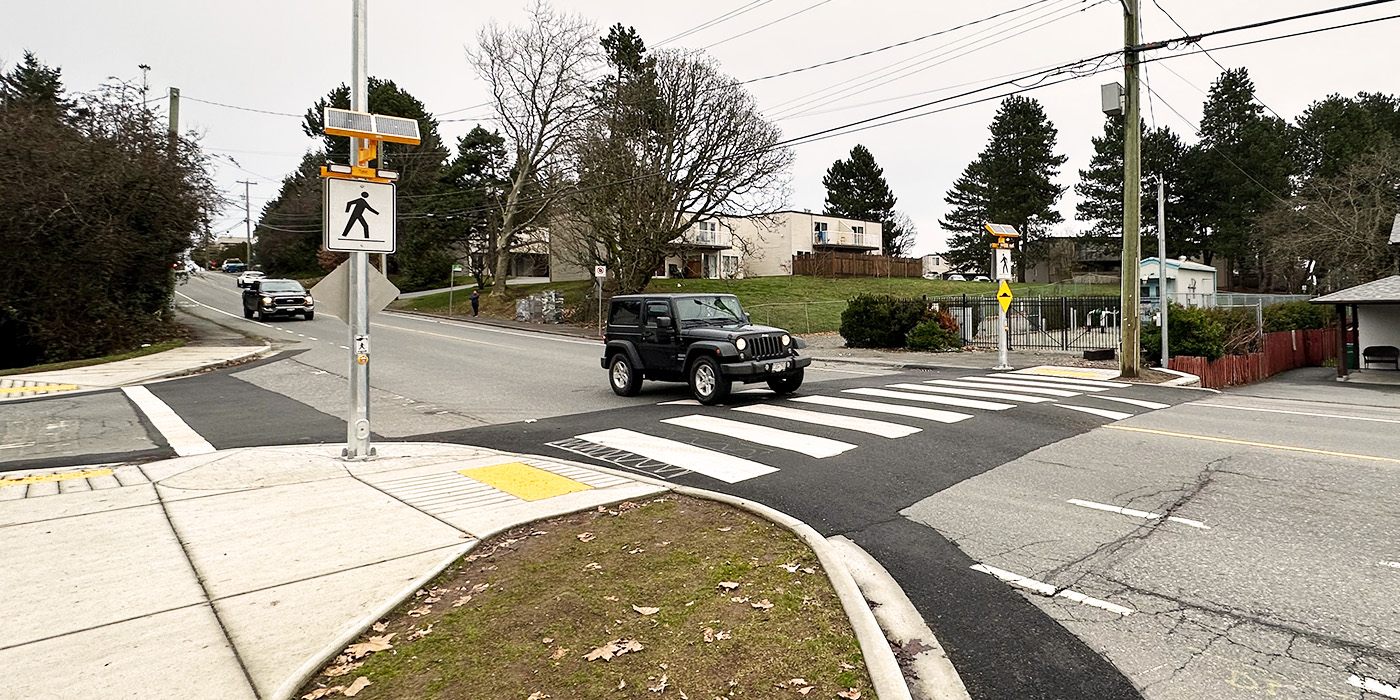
{"x":778,"y":366}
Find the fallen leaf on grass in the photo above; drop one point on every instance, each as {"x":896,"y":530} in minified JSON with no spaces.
{"x":462,"y":601}
{"x":851,"y":694}
{"x":538,"y":696}
{"x":419,"y":612}
{"x":808,"y":570}
{"x":419,"y":634}
{"x":323,"y":692}
{"x":659,"y":686}
{"x":609,"y":597}
{"x":547,"y":640}
{"x":621,"y":683}
{"x":636,"y":551}
{"x":592,"y":566}
{"x":355,"y":688}
{"x":790,"y":568}
{"x":479,"y":588}
{"x":586,"y":537}
{"x":374,"y":644}
{"x":728,"y":585}
{"x":646,"y":611}
{"x":380,"y":626}
{"x":846,"y":666}
{"x":762,"y":604}
{"x":737,"y":599}
{"x":537,"y":533}
{"x":806,"y":690}
{"x":616,"y":647}
{"x":559,"y":653}
{"x":342,"y":669}
{"x":725,"y":529}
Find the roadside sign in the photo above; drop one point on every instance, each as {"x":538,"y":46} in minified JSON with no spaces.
{"x":600,"y":271}
{"x":332,"y":293}
{"x":359,"y":216}
{"x":1004,"y":296}
{"x":456,"y":268}
{"x":1003,"y":263}
{"x":362,"y":345}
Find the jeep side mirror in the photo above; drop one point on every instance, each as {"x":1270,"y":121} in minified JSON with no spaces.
{"x":664,"y":322}
{"x":746,"y":319}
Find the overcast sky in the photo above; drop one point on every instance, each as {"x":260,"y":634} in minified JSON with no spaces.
{"x":281,"y":55}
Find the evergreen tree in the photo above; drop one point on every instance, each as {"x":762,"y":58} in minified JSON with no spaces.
{"x":469,"y":209}
{"x":1100,"y":188}
{"x":856,"y":189}
{"x":1240,"y":169}
{"x":1336,"y":131}
{"x":33,"y":85}
{"x":1011,"y":182}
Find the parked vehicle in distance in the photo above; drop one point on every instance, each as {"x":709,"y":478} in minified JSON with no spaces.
{"x":249,"y":277}
{"x":981,"y":278}
{"x":265,"y":298}
{"x":955,"y":277}
{"x":703,"y":339}
{"x":229,"y":264}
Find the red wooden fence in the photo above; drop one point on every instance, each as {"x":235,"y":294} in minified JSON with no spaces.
{"x":1283,"y":351}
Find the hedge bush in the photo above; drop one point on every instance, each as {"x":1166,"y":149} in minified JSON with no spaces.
{"x":935,"y":334}
{"x":880,"y":320}
{"x":1193,"y":332}
{"x":1296,"y":316}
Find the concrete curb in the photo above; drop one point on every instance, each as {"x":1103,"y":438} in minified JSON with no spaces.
{"x":1182,"y":378}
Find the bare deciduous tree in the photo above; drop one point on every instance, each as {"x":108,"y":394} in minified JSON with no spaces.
{"x":539,"y":78}
{"x":681,"y":143}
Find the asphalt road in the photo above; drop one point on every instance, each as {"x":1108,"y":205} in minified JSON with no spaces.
{"x":1164,"y":543}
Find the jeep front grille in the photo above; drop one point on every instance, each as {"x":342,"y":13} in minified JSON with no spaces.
{"x":765,"y":346}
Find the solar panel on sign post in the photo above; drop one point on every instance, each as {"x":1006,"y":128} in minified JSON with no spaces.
{"x":345,"y":120}
{"x":1002,"y":229}
{"x":396,"y":129}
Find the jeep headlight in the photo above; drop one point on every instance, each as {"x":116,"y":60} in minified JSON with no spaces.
{"x":267,"y":301}
{"x":308,"y":299}
{"x":787,"y":340}
{"x":741,"y":344}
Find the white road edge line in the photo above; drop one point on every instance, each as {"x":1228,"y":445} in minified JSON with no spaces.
{"x":1135,"y":402}
{"x":1374,"y":686}
{"x":221,"y":311}
{"x":1111,"y":415}
{"x":1049,"y":591}
{"x":1295,"y":413}
{"x":1146,"y":515}
{"x":181,"y":437}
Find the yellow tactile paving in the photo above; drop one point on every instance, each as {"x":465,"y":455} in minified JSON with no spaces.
{"x":1061,"y":372}
{"x":524,"y":481}
{"x":62,"y":476}
{"x":40,"y":388}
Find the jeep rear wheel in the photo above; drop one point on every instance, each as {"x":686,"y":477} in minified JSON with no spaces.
{"x":623,"y":376}
{"x":707,"y":384}
{"x":788,"y":384}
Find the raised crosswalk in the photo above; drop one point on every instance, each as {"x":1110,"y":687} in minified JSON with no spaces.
{"x":798,"y":418}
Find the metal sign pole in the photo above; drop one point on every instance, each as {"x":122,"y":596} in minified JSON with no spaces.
{"x":357,"y":423}
{"x":1002,"y":330}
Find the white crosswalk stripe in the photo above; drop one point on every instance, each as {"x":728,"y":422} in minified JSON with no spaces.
{"x":716,"y":465}
{"x":1112,"y":415}
{"x":878,"y":407}
{"x":809,"y":445}
{"x":998,"y":381}
{"x":1025,"y":388}
{"x":834,"y":420}
{"x":1052,"y":381}
{"x":976,"y":393}
{"x":1134,"y":402}
{"x":928,"y":398}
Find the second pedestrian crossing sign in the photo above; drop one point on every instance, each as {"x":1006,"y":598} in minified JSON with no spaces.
{"x":359,"y":216}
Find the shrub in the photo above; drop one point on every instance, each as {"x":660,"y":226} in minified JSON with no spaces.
{"x":1295,"y":316}
{"x":880,"y":320}
{"x":934,"y":336}
{"x":1194,"y":332}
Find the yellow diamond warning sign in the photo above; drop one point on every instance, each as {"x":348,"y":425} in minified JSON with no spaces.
{"x":1004,"y":296}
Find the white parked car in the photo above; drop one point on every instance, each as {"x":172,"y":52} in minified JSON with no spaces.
{"x":955,"y":277}
{"x":981,"y":278}
{"x":249,"y":277}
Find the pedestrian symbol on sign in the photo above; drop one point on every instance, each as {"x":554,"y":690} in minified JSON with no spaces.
{"x":357,"y":208}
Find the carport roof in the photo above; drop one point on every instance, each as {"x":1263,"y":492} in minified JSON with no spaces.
{"x":1385,"y":290}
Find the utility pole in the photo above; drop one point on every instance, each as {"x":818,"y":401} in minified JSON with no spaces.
{"x":1130,"y":357}
{"x":174,"y":119}
{"x":248,"y":221}
{"x":357,"y":423}
{"x":1162,"y":262}
{"x":144,"y":85}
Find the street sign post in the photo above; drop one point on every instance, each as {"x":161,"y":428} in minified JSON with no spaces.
{"x":599,"y":273}
{"x":359,"y":216}
{"x":1001,"y":268}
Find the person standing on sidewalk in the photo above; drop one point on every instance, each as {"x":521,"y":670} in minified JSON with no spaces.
{"x":476,"y":301}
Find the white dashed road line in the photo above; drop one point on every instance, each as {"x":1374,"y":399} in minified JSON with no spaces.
{"x":1134,"y":402}
{"x":1111,"y":415}
{"x":1146,"y":515}
{"x":1029,"y":390}
{"x":1048,"y":590}
{"x":803,"y":443}
{"x":1007,"y":396}
{"x":716,"y":465}
{"x":1374,"y":686}
{"x":1292,"y":413}
{"x":929,"y":398}
{"x":878,"y":407}
{"x":182,"y":438}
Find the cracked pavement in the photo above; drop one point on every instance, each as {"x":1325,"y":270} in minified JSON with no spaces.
{"x":1284,"y":594}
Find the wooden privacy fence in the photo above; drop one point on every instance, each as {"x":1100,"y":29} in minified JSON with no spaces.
{"x":1283,"y":351}
{"x":855,"y":265}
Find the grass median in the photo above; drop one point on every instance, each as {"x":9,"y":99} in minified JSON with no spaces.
{"x":671,"y":597}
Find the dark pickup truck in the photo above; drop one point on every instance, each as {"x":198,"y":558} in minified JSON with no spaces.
{"x":266,"y":298}
{"x":705,"y":340}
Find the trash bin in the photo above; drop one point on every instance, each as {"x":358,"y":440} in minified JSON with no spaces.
{"x":1351,"y":356}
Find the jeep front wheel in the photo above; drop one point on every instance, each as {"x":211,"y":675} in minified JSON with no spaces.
{"x":623,"y":376}
{"x":707,"y":384}
{"x":788,"y":384}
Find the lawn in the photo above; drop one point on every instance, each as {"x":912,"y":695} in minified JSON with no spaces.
{"x":74,"y":364}
{"x":799,"y":304}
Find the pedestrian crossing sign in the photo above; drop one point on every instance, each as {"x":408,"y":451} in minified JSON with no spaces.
{"x":359,"y":216}
{"x":1004,"y":296}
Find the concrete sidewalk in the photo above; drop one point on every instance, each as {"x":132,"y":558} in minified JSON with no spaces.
{"x":238,"y":574}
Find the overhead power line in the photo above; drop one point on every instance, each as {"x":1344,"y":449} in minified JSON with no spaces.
{"x":755,"y":4}
{"x":245,"y":109}
{"x":1196,"y":38}
{"x":765,"y":26}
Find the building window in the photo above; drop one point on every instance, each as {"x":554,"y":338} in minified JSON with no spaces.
{"x":819,"y":231}
{"x":706,"y":232}
{"x":730,"y":266}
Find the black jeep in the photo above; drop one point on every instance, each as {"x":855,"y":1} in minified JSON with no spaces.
{"x":703,"y":339}
{"x":265,"y":298}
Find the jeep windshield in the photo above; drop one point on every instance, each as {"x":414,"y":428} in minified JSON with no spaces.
{"x":709,"y":311}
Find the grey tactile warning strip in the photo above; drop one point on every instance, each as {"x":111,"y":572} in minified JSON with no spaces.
{"x":52,"y":482}
{"x":620,"y":458}
{"x":442,"y":493}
